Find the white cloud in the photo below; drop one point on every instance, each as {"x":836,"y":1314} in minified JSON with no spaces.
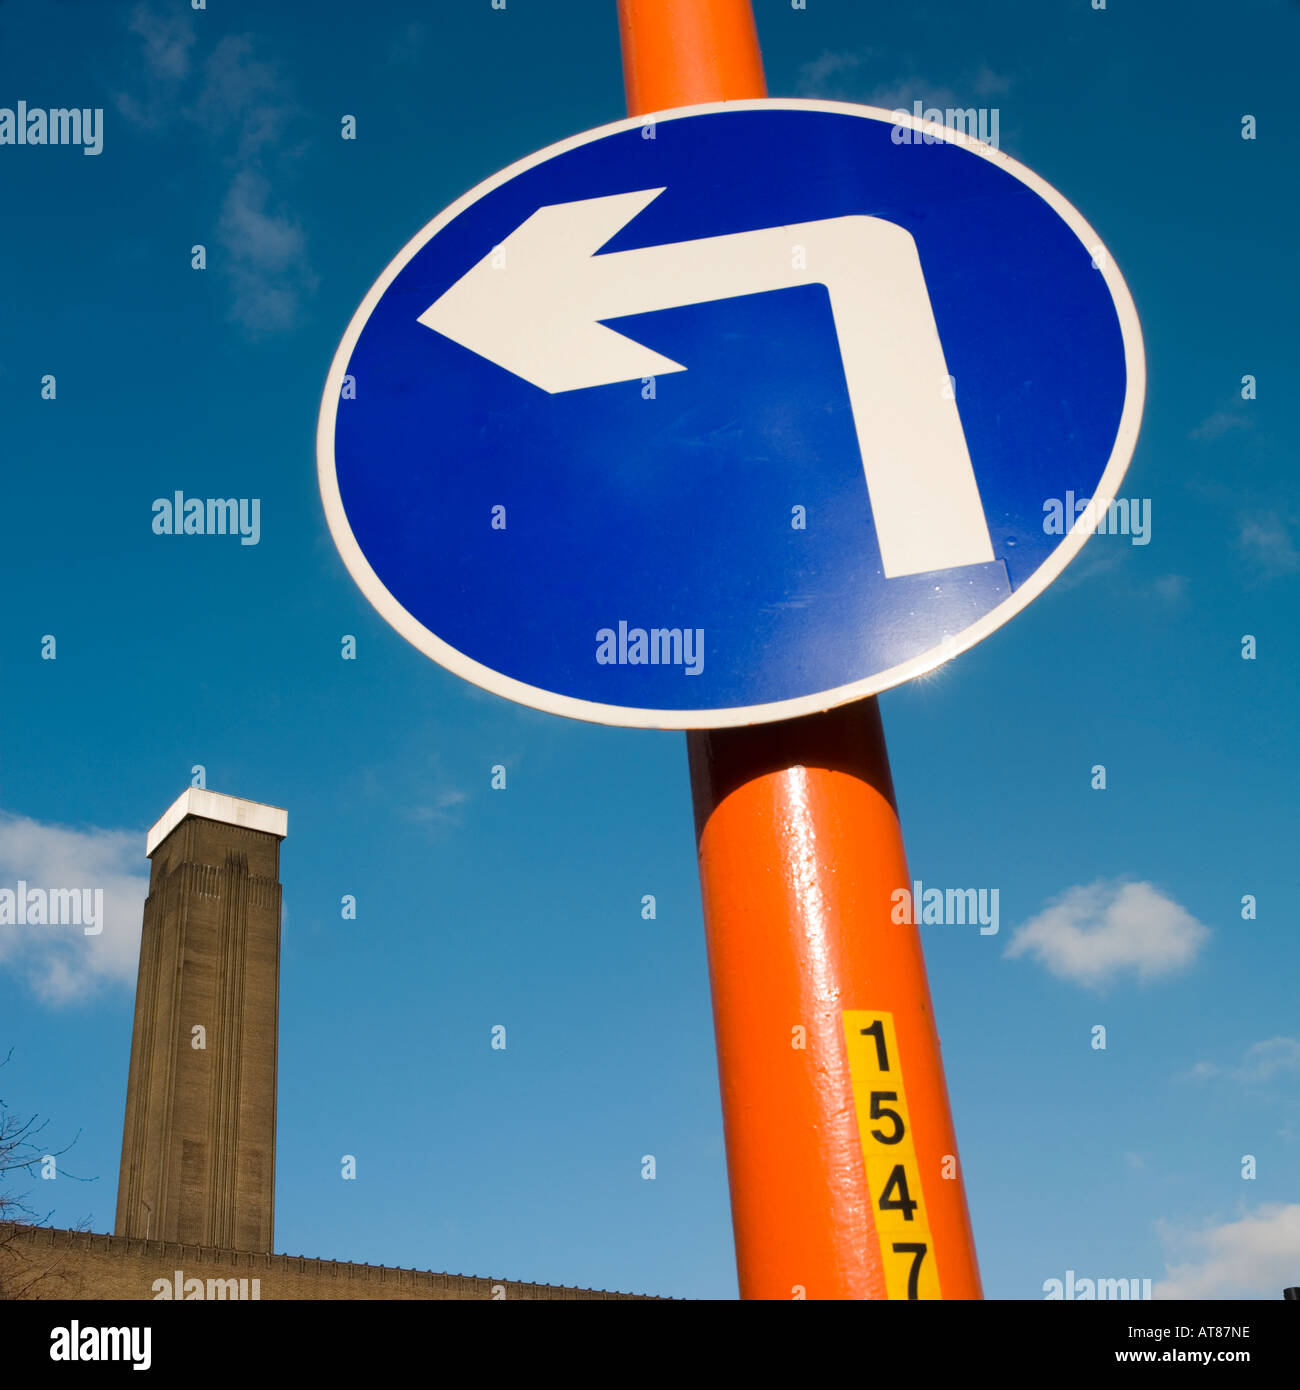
{"x":265,"y":247}
{"x":1100,"y":555}
{"x":903,"y":95}
{"x":1172,"y":587}
{"x":242,"y":95}
{"x":443,"y":810}
{"x":164,"y":64}
{"x":269,"y":242}
{"x":245,"y":106}
{"x":62,"y":964}
{"x":842,"y":75}
{"x":1262,"y":1062}
{"x":1094,"y":932}
{"x":168,"y":39}
{"x":817,"y":78}
{"x":1268,"y":542}
{"x":1219,"y":423}
{"x":987,"y":83}
{"x":1256,"y":1256}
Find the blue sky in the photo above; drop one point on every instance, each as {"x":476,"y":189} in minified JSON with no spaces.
{"x":522,"y":907}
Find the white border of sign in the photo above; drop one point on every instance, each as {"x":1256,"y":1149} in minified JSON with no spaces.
{"x":460,"y":664}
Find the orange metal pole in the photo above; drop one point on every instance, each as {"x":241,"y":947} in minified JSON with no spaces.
{"x":840,"y":1149}
{"x":685,"y":52}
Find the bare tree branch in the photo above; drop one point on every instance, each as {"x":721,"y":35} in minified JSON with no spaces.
{"x":22,"y":1275}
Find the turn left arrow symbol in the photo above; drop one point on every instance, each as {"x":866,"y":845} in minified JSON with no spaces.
{"x":536,"y":306}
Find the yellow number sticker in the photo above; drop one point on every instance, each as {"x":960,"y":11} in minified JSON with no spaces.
{"x":893,"y":1173}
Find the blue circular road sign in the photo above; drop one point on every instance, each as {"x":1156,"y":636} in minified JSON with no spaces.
{"x":729,"y":414}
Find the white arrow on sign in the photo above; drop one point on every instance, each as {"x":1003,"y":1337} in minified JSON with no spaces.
{"x":535,"y":306}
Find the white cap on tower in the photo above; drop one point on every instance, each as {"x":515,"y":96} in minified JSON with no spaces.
{"x":197,"y":801}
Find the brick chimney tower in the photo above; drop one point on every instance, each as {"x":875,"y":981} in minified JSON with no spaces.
{"x":198,"y":1144}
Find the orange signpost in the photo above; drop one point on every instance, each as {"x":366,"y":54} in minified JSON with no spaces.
{"x":843,"y":1166}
